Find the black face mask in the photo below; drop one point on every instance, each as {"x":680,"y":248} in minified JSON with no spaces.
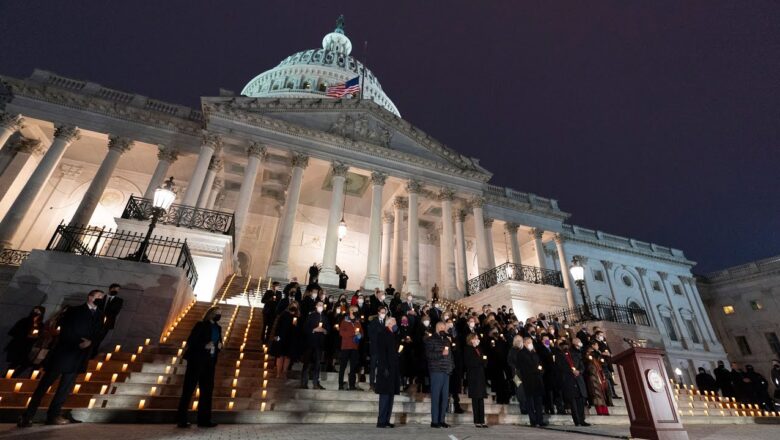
{"x":217,"y":317}
{"x":113,"y":293}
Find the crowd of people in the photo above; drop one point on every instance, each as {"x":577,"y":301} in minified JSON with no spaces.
{"x":745,"y":385}
{"x":441,"y":350}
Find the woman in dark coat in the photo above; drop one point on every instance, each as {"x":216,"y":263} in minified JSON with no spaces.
{"x":388,"y":381}
{"x":23,"y":335}
{"x":475,"y":363}
{"x":597,"y":383}
{"x":531,"y":373}
{"x":203,"y":347}
{"x":406,"y":338}
{"x":284,"y":334}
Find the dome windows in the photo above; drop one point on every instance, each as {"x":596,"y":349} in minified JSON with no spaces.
{"x":306,"y":85}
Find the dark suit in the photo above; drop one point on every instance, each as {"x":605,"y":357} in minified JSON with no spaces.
{"x":66,"y":360}
{"x":572,"y":386}
{"x":110,"y":306}
{"x":475,"y":375}
{"x":201,"y":363}
{"x":388,"y":381}
{"x":533,"y":384}
{"x":315,"y":342}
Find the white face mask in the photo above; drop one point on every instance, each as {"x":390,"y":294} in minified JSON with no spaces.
{"x":313,"y":296}
{"x":319,"y":309}
{"x":472,"y":325}
{"x":426,"y":323}
{"x":409,"y":299}
{"x":382,"y":315}
{"x":360,"y":302}
{"x":475,"y":343}
{"x":530,"y":347}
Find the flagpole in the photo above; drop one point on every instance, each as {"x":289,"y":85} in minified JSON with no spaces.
{"x":363,"y":73}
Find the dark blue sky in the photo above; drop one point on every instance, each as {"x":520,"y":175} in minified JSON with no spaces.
{"x":655,"y":120}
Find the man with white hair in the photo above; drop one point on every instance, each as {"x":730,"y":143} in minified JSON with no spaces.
{"x":388,"y":379}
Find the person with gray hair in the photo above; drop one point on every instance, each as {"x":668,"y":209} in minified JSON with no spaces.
{"x":440,"y":365}
{"x":388,"y":379}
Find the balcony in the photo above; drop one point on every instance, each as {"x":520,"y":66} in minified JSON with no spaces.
{"x":13,"y":257}
{"x":217,"y":222}
{"x":513,"y":272}
{"x":602,"y":312}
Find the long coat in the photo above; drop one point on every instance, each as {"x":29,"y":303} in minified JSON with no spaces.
{"x":196,"y":343}
{"x":531,"y":373}
{"x":110,"y":306}
{"x":475,"y":372}
{"x":597,"y":386}
{"x":22,"y":342}
{"x":571,"y":385}
{"x":78,"y":322}
{"x":388,"y":379}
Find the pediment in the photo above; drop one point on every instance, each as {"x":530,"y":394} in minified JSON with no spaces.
{"x":361,"y":122}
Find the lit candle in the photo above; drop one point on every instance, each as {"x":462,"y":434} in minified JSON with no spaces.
{"x":400,"y":348}
{"x":539,"y":368}
{"x":295,"y":320}
{"x":35,"y":332}
{"x":484,"y":358}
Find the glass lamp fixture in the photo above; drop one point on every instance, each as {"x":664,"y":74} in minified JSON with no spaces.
{"x":577,"y":271}
{"x":342,"y":228}
{"x":164,"y":196}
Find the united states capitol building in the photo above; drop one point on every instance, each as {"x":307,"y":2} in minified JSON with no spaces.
{"x":280,"y":177}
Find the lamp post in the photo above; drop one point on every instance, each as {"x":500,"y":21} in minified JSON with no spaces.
{"x":163,"y":199}
{"x":578,"y":273}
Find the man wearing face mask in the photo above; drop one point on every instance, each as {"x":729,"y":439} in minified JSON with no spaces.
{"x":570,"y":370}
{"x":375,"y":327}
{"x":552,"y":394}
{"x":376,"y":301}
{"x":440,"y":365}
{"x":110,"y":305}
{"x":388,"y":381}
{"x":532,"y":373}
{"x":202,"y":349}
{"x":270,"y":301}
{"x":308,"y":301}
{"x":422,"y":331}
{"x":606,"y":355}
{"x":315,"y":331}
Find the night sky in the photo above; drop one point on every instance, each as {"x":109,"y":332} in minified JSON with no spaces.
{"x":653,"y":120}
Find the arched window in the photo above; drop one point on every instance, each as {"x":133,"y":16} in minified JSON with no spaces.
{"x":306,"y":85}
{"x":323,"y":87}
{"x":290,"y":85}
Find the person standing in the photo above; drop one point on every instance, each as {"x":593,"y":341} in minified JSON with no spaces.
{"x":475,"y":363}
{"x":282,"y":338}
{"x":203,"y":347}
{"x":774,"y":375}
{"x":388,"y":381}
{"x":597,"y":383}
{"x":351,"y":333}
{"x":315,"y":330}
{"x":110,"y":305}
{"x":343,"y":279}
{"x":440,"y":365}
{"x":723,"y":380}
{"x":314,"y":274}
{"x":705,"y":382}
{"x":570,"y":371}
{"x":513,"y":359}
{"x":79,"y":327}
{"x":532,"y":373}
{"x":270,"y":300}
{"x":375,"y":327}
{"x":24,"y":334}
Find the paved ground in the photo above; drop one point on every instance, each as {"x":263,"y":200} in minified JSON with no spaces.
{"x":359,"y":432}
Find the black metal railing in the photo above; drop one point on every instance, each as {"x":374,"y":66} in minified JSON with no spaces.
{"x":107,"y":243}
{"x":514,"y":272}
{"x":13,"y":257}
{"x":182,"y":215}
{"x":598,"y":311}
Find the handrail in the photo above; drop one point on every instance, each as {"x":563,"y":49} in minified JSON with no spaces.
{"x":599,"y":311}
{"x":186,"y":216}
{"x":513,"y":272}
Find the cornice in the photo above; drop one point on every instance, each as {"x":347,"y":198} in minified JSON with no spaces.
{"x":568,"y":236}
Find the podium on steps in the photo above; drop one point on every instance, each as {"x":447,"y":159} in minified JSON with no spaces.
{"x":652,"y":409}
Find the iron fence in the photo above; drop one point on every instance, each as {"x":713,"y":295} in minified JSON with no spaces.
{"x":107,"y":243}
{"x":598,"y":311}
{"x":514,"y":272}
{"x":13,"y":257}
{"x":182,"y":215}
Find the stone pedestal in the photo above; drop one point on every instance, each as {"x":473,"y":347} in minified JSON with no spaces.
{"x":527,"y":299}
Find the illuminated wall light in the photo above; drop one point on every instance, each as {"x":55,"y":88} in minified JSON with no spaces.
{"x":173,"y":359}
{"x":183,"y":344}
{"x":28,"y":401}
{"x":238,"y":364}
{"x":91,"y":403}
{"x":265,"y":374}
{"x":265,"y":365}
{"x":114,"y":377}
{"x":178,"y":353}
{"x":237,"y":372}
{"x":141,"y":403}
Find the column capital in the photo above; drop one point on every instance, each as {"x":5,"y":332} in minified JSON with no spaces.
{"x":663,"y":275}
{"x":218,"y":184}
{"x":447,"y":194}
{"x":12,"y":121}
{"x":216,"y":163}
{"x":339,"y":169}
{"x":536,"y":233}
{"x":607,"y":264}
{"x":258,"y":150}
{"x":120,"y":144}
{"x":211,"y":140}
{"x":378,"y":178}
{"x":460,"y":215}
{"x":28,"y":146}
{"x":488,"y":222}
{"x":582,"y":259}
{"x":511,"y":227}
{"x":67,"y":133}
{"x":559,"y":238}
{"x":414,"y":187}
{"x":477,"y":202}
{"x":299,"y":160}
{"x":167,"y":154}
{"x":387,"y":217}
{"x":401,"y":203}
{"x":641,"y":271}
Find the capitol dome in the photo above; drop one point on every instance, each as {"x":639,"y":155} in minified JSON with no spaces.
{"x":308,"y":73}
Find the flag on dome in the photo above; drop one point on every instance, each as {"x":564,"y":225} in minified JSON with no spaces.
{"x":346,"y":89}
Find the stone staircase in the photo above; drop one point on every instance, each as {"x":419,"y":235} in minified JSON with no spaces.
{"x":143,"y":384}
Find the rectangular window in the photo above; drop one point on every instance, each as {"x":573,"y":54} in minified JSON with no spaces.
{"x":677,"y":289}
{"x":728,"y":310}
{"x":743,"y":345}
{"x":774,"y":343}
{"x":669,"y":328}
{"x":755,"y":305}
{"x":692,"y":330}
{"x":598,"y":275}
{"x":656,"y":286}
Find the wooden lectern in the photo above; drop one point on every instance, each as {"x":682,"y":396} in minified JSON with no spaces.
{"x":649,"y":396}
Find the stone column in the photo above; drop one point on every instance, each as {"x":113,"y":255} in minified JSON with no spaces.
{"x":117,"y":146}
{"x":413,"y":240}
{"x":514,"y":243}
{"x":460,"y":251}
{"x":387,"y":248}
{"x":608,"y":271}
{"x":374,"y":260}
{"x":64,"y":135}
{"x":483,"y":261}
{"x":279,"y":266}
{"x":698,"y":308}
{"x":449,"y":282}
{"x":397,"y":260}
{"x":328,"y":273}
{"x":215,"y":191}
{"x":215,"y":166}
{"x":211,"y":143}
{"x":675,"y":316}
{"x":9,"y":123}
{"x":166,"y":156}
{"x":255,"y":154}
{"x":568,"y":284}
{"x":654,"y":319}
{"x":21,"y":166}
{"x":536,"y":235}
{"x":489,"y":243}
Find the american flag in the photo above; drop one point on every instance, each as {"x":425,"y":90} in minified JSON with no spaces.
{"x":340,"y":90}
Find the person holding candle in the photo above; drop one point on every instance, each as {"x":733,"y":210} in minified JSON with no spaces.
{"x":475,"y":362}
{"x":597,"y":383}
{"x":570,"y":370}
{"x":531,"y":374}
{"x":388,"y":381}
{"x":283,"y":334}
{"x":351,"y":333}
{"x":24,"y":334}
{"x":440,"y":365}
{"x":315,"y":329}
